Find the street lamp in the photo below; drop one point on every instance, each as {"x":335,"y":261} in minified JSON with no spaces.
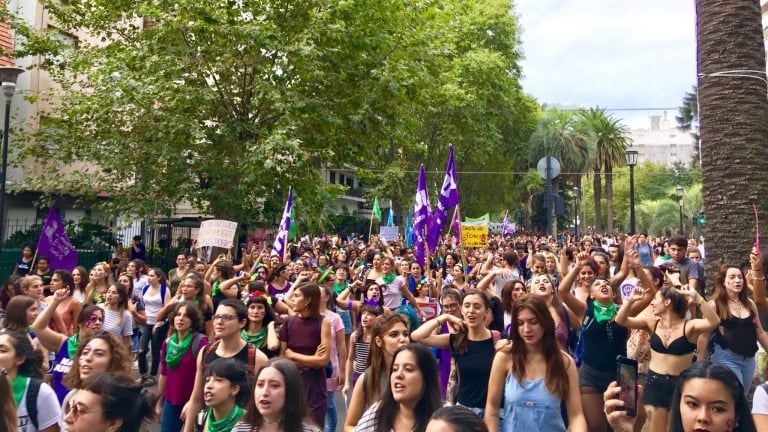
{"x":680,"y":190}
{"x":8,"y":76}
{"x":631,"y":156}
{"x":576,"y":212}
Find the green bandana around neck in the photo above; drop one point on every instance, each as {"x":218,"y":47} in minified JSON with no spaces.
{"x":257,"y":339}
{"x":175,"y":351}
{"x":72,"y":344}
{"x":227,"y":423}
{"x":19,"y":387}
{"x":338,"y":288}
{"x":388,"y":279}
{"x":604,"y":313}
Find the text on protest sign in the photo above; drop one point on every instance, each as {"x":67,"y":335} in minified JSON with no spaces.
{"x":217,"y":233}
{"x":474,"y":235}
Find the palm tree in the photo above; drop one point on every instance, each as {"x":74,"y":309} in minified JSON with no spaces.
{"x":733,"y":109}
{"x":611,"y":139}
{"x":561,"y":134}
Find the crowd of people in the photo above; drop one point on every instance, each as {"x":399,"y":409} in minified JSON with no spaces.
{"x":525,"y":333}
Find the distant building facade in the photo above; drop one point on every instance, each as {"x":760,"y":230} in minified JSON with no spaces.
{"x":662,"y":142}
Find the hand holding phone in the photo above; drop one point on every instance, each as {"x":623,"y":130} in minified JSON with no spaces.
{"x":626,"y":377}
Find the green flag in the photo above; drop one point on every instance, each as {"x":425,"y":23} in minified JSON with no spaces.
{"x":376,"y":210}
{"x":484,"y":218}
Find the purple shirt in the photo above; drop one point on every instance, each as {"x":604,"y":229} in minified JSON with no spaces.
{"x":180,"y":381}
{"x":278,"y":293}
{"x":61,"y":365}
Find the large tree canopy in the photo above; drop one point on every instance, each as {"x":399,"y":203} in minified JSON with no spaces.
{"x":226,"y":103}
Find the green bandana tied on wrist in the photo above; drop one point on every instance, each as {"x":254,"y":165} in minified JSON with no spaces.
{"x":604,"y":313}
{"x":257,"y":340}
{"x":175,"y":351}
{"x":72,"y":343}
{"x":227,"y":423}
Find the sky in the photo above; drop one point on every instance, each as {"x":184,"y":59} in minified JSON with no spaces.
{"x":609,"y":53}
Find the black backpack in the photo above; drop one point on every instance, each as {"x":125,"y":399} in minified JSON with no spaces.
{"x":31,"y":399}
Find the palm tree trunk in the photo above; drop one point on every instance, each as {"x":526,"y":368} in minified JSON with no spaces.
{"x":597,"y":188}
{"x":733,"y":112}
{"x":608,"y":196}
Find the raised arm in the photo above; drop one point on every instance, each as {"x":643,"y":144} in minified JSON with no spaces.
{"x":230,"y":286}
{"x":578,"y":307}
{"x":625,"y":316}
{"x":425,"y":334}
{"x":756,"y":279}
{"x":51,"y":340}
{"x":710,"y":320}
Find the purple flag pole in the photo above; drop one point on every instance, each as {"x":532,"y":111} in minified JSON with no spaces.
{"x":421,"y":213}
{"x":55,"y":244}
{"x":278,"y":247}
{"x":449,"y":197}
{"x":505,"y":229}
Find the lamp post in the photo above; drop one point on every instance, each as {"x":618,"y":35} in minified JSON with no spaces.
{"x":8,"y":76}
{"x":576,"y":212}
{"x":631,"y":156}
{"x":680,"y":191}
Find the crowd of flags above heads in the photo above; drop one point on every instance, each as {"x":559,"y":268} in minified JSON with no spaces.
{"x":424,"y":228}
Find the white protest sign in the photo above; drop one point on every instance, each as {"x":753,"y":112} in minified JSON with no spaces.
{"x":390,"y":233}
{"x":217,"y":233}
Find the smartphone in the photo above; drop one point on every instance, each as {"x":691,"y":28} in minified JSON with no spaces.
{"x":626,"y":376}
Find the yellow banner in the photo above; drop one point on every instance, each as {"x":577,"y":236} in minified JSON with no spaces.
{"x":474,"y":235}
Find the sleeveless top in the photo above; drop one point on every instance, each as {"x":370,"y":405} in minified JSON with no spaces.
{"x":603,"y":343}
{"x":530,"y":406}
{"x":561,"y":330}
{"x":679,"y":347}
{"x":61,"y":365}
{"x":739,"y":334}
{"x":241,"y":356}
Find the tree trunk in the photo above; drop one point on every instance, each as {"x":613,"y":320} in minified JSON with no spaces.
{"x":608,"y":197}
{"x":733,"y":112}
{"x":597,"y":189}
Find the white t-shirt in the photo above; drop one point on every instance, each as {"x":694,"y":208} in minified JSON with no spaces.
{"x":336,"y":325}
{"x":48,"y":410}
{"x":760,"y":401}
{"x":391,"y":292}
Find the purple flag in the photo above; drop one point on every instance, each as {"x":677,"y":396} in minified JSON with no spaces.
{"x":55,"y":244}
{"x":449,"y":197}
{"x":421,"y":212}
{"x":506,"y":230}
{"x":456,"y":225}
{"x":278,"y":247}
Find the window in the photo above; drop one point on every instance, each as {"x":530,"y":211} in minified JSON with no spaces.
{"x":341,"y":179}
{"x":332,"y":177}
{"x":350,"y":182}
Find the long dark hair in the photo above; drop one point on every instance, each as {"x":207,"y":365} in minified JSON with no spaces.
{"x":295,"y":406}
{"x":429,"y":400}
{"x":16,"y":313}
{"x":713,"y":371}
{"x":460,"y":419}
{"x":556,"y":378}
{"x":721,"y":296}
{"x":461,"y":339}
{"x":376,"y":360}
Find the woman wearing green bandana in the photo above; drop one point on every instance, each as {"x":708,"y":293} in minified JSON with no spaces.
{"x":261,"y":321}
{"x":88,"y":323}
{"x":221,"y":274}
{"x":22,"y":364}
{"x":225,"y":393}
{"x":603,"y":339}
{"x":177,"y":364}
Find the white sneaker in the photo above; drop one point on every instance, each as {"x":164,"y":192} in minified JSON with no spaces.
{"x":135,"y":365}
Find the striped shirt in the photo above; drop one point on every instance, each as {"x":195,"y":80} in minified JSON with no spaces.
{"x":361,"y":352}
{"x":113,"y":324}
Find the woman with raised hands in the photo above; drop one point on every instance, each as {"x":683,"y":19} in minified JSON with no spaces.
{"x":735,"y":340}
{"x":89,"y":322}
{"x":471,"y":345}
{"x":70,"y":308}
{"x":192,"y":289}
{"x":602,"y":339}
{"x":673,"y":343}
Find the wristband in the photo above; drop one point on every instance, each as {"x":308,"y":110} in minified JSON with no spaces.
{"x":349,"y":304}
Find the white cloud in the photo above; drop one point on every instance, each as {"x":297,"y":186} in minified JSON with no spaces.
{"x":611,"y":53}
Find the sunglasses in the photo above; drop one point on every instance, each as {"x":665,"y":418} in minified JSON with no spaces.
{"x":77,"y":410}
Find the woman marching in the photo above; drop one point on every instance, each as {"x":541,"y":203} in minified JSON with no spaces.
{"x":599,"y":329}
{"x":672,"y":343}
{"x":471,"y":345}
{"x":535,"y":378}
